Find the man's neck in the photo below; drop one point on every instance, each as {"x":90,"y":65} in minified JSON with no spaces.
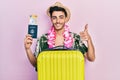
{"x":59,"y":32}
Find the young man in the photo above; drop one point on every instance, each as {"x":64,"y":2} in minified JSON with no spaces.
{"x":59,"y":36}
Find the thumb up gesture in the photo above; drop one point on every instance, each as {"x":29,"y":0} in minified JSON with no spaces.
{"x":84,"y":34}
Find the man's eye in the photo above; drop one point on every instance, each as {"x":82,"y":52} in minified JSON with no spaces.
{"x":53,"y":17}
{"x":61,"y":17}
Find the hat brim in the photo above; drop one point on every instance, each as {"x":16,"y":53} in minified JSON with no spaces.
{"x":60,"y":5}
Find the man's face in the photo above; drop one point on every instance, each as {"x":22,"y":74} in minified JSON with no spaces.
{"x":58,"y":19}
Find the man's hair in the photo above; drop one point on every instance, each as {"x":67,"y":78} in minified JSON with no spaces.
{"x":56,"y":8}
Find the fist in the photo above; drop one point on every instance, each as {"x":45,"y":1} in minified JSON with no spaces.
{"x":84,"y":34}
{"x":28,"y":41}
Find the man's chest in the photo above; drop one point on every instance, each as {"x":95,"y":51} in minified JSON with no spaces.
{"x":59,"y":40}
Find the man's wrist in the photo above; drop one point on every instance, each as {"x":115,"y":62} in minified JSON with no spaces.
{"x":89,"y":40}
{"x":27,"y":49}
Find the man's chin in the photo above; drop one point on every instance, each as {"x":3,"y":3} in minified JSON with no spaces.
{"x":57,"y":27}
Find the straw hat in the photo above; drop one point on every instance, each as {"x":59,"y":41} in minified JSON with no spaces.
{"x":60,"y":5}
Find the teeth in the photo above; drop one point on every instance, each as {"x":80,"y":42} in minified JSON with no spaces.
{"x":58,"y":25}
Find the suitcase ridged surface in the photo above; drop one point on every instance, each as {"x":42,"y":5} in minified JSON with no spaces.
{"x":60,"y":65}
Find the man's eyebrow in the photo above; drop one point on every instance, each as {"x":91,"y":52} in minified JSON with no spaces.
{"x":53,"y":16}
{"x":59,"y":16}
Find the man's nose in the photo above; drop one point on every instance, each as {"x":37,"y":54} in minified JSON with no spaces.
{"x":58,"y":20}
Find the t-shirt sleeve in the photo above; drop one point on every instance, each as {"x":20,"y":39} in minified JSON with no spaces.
{"x":38,"y":48}
{"x":41,"y":45}
{"x":79,"y":44}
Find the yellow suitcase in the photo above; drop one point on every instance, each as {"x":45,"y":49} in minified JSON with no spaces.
{"x":60,"y":65}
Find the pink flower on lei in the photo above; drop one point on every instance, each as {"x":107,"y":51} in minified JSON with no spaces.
{"x":52,"y":35}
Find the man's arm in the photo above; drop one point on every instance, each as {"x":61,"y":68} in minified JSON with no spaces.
{"x":27,"y":44}
{"x":90,"y":55}
{"x":31,"y":57}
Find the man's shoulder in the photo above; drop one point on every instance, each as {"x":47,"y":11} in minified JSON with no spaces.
{"x":43,"y":36}
{"x":75,"y":35}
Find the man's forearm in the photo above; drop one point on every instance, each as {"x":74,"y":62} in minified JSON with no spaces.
{"x":91,"y":51}
{"x":31,"y":57}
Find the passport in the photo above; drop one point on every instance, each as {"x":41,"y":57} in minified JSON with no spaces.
{"x":32,"y":30}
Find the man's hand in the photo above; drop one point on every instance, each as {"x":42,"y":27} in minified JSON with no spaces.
{"x":28,"y":41}
{"x":84,"y":34}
